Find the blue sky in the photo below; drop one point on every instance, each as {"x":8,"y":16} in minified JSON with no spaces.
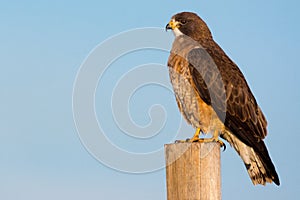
{"x":43,"y":45}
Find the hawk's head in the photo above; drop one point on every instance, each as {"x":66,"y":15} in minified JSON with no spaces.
{"x":190,"y":24}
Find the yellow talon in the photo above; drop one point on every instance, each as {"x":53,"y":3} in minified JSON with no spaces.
{"x":196,"y":138}
{"x":206,"y":140}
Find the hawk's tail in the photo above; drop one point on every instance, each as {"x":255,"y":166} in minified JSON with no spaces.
{"x":257,"y":161}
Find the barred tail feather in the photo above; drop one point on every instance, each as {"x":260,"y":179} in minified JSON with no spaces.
{"x":257,"y":161}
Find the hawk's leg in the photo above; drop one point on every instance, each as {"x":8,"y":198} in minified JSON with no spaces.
{"x":195,"y":138}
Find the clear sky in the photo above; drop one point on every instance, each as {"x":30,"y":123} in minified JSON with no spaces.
{"x":43,"y":46}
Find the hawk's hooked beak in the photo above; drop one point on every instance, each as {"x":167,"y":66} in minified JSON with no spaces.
{"x":168,"y":27}
{"x":172,"y":25}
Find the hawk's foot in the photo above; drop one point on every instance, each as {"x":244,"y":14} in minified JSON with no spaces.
{"x":204,"y":140}
{"x":182,"y":141}
{"x":213,"y":139}
{"x":196,"y":138}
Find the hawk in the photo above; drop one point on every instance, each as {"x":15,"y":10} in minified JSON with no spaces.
{"x":214,"y":97}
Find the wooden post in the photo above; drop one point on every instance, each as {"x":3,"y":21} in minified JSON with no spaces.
{"x":193,"y":171}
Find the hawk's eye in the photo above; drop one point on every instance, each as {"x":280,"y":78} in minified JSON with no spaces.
{"x":183,"y":22}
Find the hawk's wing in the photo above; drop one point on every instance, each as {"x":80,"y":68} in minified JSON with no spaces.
{"x":222,"y":85}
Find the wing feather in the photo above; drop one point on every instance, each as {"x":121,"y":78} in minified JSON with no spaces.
{"x":222,"y":85}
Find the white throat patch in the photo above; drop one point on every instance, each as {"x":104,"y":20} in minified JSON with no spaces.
{"x":177,"y":32}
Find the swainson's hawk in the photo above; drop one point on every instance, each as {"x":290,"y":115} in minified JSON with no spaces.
{"x":214,"y":97}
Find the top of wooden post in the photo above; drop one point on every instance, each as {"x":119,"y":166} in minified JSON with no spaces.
{"x":193,"y":171}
